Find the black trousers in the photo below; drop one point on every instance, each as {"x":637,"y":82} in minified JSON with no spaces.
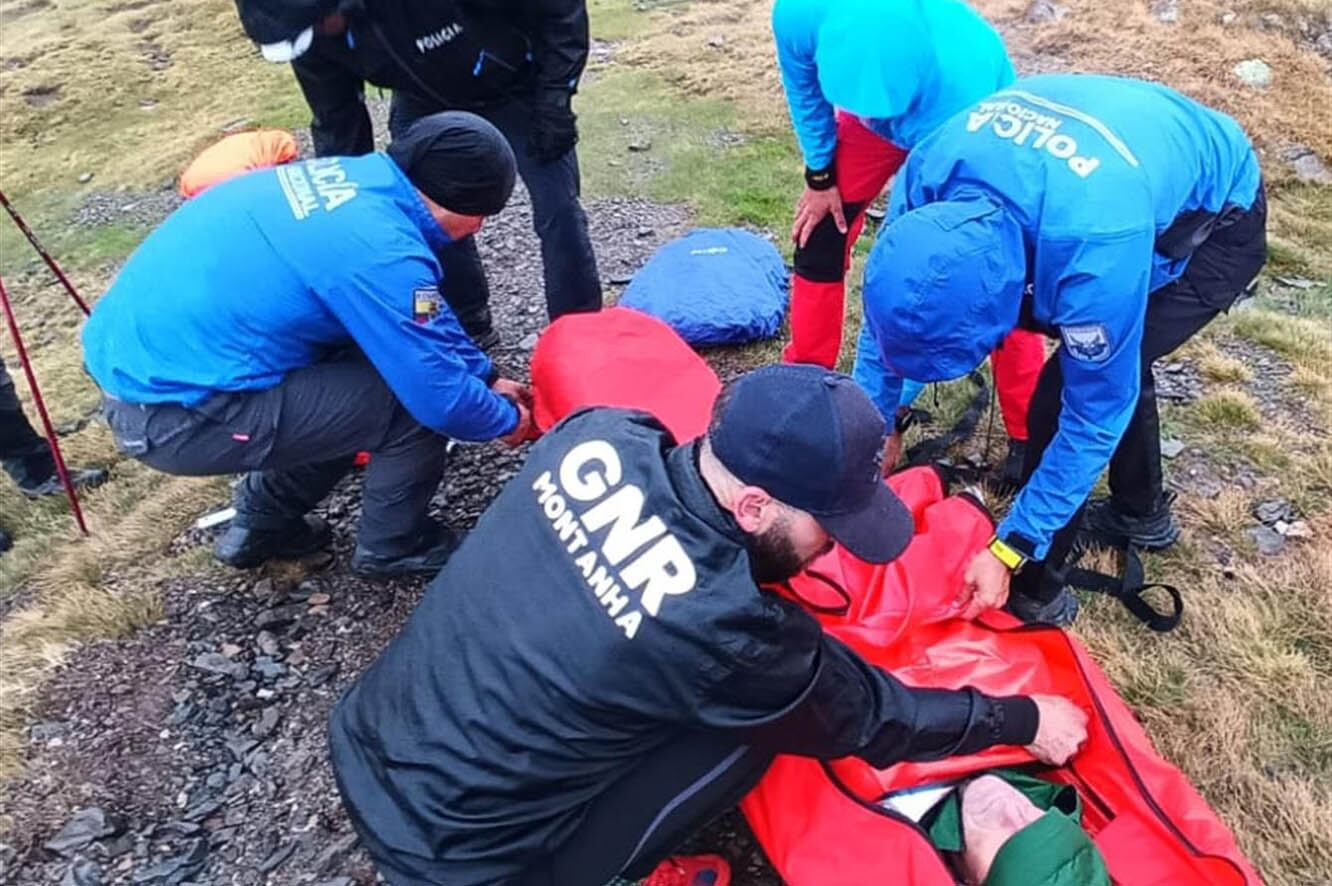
{"x":637,"y":821}
{"x":25,"y":454}
{"x":297,"y":440}
{"x":1219,"y":272}
{"x":570,"y":268}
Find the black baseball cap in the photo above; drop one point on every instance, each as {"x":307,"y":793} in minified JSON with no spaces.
{"x":812,"y":439}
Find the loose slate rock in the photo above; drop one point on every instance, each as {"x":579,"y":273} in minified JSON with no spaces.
{"x":82,"y":873}
{"x":1269,"y":541}
{"x":177,"y":868}
{"x":217,"y":663}
{"x":276,"y":858}
{"x":83,"y":828}
{"x":1171,"y":448}
{"x":1270,"y":512}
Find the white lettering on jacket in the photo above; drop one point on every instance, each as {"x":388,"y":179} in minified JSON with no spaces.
{"x":436,"y":39}
{"x":315,"y":184}
{"x":1027,"y":127}
{"x":599,"y":521}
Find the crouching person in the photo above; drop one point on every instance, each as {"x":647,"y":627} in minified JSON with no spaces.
{"x":287,"y":319}
{"x":596,"y":673}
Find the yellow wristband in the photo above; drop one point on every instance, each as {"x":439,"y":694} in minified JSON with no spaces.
{"x":1006,"y":555}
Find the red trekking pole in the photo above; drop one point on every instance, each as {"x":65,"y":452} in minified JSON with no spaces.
{"x":37,"y":395}
{"x":46,"y":256}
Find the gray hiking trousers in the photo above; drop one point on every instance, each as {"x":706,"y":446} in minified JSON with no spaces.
{"x":296,"y":441}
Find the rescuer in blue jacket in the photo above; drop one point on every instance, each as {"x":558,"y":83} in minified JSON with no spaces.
{"x":283,"y":321}
{"x":1116,"y":215}
{"x":866,"y":81}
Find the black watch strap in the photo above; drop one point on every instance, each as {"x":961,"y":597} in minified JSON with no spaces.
{"x":820,"y":179}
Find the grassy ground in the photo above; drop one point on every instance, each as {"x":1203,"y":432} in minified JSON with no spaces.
{"x":684,"y":104}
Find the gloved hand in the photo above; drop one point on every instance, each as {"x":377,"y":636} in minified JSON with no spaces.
{"x":554,"y":132}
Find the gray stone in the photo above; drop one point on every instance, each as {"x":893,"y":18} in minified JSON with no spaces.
{"x":1171,"y":448}
{"x":1254,"y":72}
{"x":529,"y":341}
{"x":1041,"y":11}
{"x":202,"y":810}
{"x":177,"y":868}
{"x":1309,"y":167}
{"x":83,"y":828}
{"x":82,"y":873}
{"x":641,"y":145}
{"x":1273,"y":511}
{"x":85,"y":177}
{"x":334,"y":855}
{"x":266,"y":723}
{"x":276,"y":858}
{"x":1269,"y":541}
{"x":217,"y":663}
{"x":278,"y":617}
{"x":1166,"y":11}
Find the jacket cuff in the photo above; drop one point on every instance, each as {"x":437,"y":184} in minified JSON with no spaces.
{"x":821,"y":179}
{"x":1013,"y":720}
{"x":1020,"y":541}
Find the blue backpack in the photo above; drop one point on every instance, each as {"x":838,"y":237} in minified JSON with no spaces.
{"x":713,"y":286}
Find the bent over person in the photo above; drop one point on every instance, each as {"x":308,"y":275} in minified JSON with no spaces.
{"x":515,"y":62}
{"x":866,"y":81}
{"x":597,"y":671}
{"x":282,"y":321}
{"x":1115,"y":215}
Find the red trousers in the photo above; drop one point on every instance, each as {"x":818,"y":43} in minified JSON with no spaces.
{"x":865,"y":161}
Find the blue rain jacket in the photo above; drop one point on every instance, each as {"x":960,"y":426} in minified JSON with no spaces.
{"x":1060,"y":187}
{"x":903,"y":66}
{"x":276,"y":270}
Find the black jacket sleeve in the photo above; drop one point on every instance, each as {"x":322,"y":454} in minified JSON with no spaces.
{"x":823,"y":700}
{"x":340,"y":124}
{"x":559,"y":43}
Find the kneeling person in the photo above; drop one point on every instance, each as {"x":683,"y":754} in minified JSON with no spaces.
{"x":282,"y":321}
{"x":597,"y":673}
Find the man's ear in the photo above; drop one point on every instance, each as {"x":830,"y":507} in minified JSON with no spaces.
{"x":754,"y":509}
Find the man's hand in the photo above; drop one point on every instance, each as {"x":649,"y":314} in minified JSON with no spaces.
{"x":518,"y":393}
{"x":520,"y":396}
{"x":523,"y":431}
{"x":1060,"y":732}
{"x":554,"y":128}
{"x":810,"y":210}
{"x":892,"y":452}
{"x":984,"y":585}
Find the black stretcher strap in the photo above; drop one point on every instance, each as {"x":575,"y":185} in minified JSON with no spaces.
{"x":1128,"y":588}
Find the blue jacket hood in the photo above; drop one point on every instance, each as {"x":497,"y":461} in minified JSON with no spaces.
{"x":943,"y":286}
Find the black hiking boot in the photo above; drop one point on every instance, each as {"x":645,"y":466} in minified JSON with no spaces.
{"x":82,"y":478}
{"x":244,"y":548}
{"x":438,"y":545}
{"x":1060,"y":612}
{"x":1106,"y":522}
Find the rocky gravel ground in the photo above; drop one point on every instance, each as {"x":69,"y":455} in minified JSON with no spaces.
{"x":194,"y":751}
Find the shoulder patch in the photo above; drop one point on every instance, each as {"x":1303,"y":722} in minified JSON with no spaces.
{"x":1089,"y":342}
{"x":425,"y":304}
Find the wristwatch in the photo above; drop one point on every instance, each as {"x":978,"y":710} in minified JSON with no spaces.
{"x":820,"y":179}
{"x":1010,"y":557}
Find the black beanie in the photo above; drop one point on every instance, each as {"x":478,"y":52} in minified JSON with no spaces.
{"x":458,"y":160}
